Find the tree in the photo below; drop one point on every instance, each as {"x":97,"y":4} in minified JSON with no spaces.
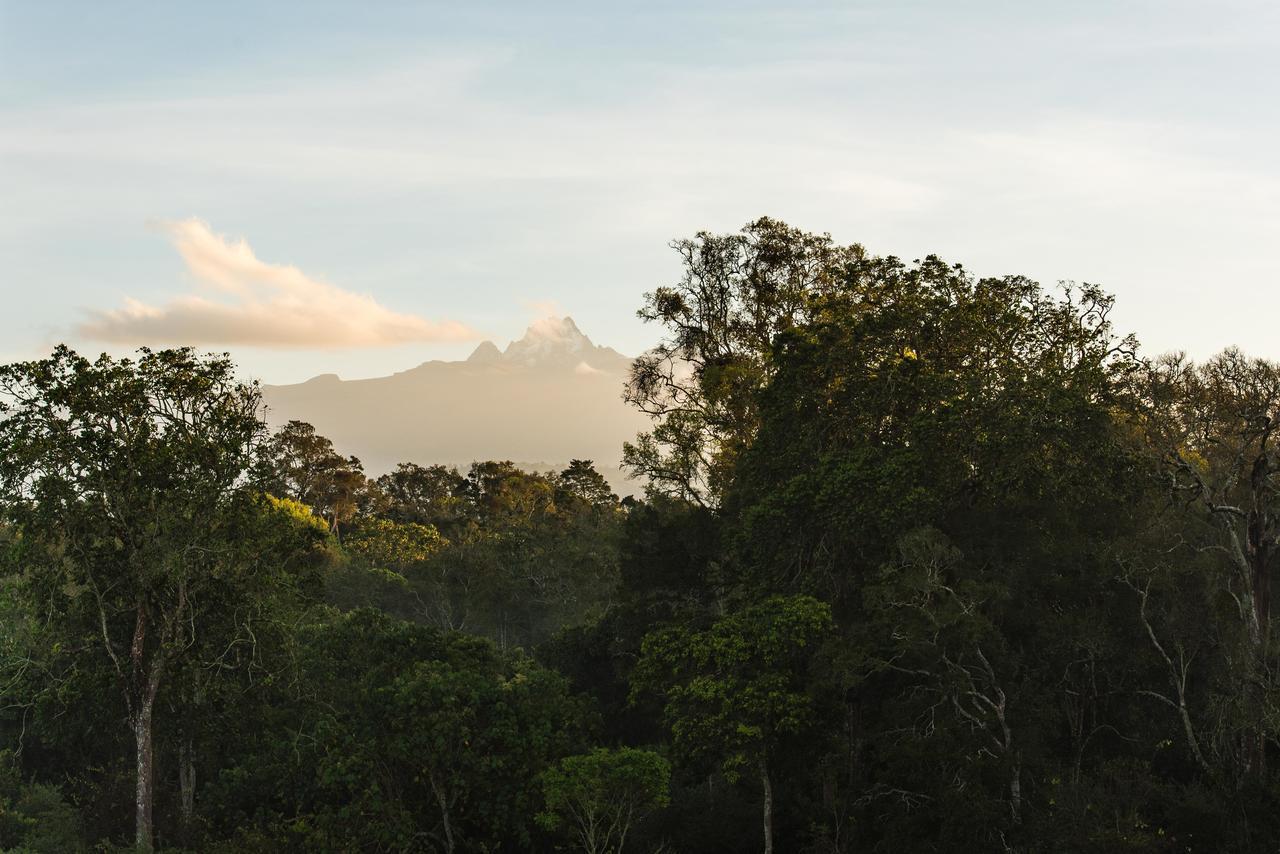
{"x":919,"y":395}
{"x":740,"y":692}
{"x":931,"y":626}
{"x":532,"y":557}
{"x":476,"y":734}
{"x":582,"y":482}
{"x":392,"y":567}
{"x":602,"y":794}
{"x":34,"y":818}
{"x":303,"y":465}
{"x":395,"y":736}
{"x":393,"y":545}
{"x":948,"y":461}
{"x":244,"y":639}
{"x":428,"y":495}
{"x":738,"y":291}
{"x":1214,"y":428}
{"x":128,"y":482}
{"x":504,"y":493}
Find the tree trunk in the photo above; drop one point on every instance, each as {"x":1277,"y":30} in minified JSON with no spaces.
{"x":444,"y":813}
{"x":768,"y":806}
{"x":187,"y":788}
{"x":145,"y":791}
{"x":1015,"y":788}
{"x":144,"y":682}
{"x":1259,"y":528}
{"x":624,"y":827}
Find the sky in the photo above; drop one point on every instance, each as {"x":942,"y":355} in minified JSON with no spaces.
{"x":356,"y":188}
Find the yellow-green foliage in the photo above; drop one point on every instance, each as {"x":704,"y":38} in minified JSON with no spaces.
{"x":297,"y":512}
{"x":390,"y":545}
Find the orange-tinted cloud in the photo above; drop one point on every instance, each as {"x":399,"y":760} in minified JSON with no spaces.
{"x":259,"y":305}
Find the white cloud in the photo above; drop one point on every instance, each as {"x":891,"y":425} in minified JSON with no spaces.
{"x":259,"y":305}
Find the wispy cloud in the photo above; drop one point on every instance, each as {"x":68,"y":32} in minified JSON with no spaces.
{"x":259,"y":304}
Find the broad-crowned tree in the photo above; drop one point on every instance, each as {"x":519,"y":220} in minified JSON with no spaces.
{"x":990,"y":413}
{"x":598,"y":797}
{"x":736,"y":293}
{"x":428,"y":495}
{"x":128,"y":482}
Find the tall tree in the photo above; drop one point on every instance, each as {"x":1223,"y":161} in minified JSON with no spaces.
{"x":1214,"y":426}
{"x":128,"y":483}
{"x":918,"y":406}
{"x":737,"y":292}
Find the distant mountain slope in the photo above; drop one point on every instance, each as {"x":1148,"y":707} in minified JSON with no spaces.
{"x":548,"y":398}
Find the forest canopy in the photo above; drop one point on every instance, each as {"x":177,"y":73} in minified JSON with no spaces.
{"x":924,"y":561}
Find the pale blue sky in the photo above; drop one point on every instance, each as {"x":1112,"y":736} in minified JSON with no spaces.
{"x":469,"y":164}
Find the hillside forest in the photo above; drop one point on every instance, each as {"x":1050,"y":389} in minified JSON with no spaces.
{"x":920,"y":562}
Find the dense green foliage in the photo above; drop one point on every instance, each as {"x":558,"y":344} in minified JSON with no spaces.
{"x":598,"y":796}
{"x":925,"y":562}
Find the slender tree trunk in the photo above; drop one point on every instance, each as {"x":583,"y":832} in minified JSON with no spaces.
{"x":1259,"y":527}
{"x":1015,"y":788}
{"x":187,"y":787}
{"x":144,"y":681}
{"x":145,"y":791}
{"x":768,"y":806}
{"x":444,"y":813}
{"x":625,"y":823}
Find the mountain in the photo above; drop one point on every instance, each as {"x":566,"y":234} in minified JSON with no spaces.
{"x":549,"y":397}
{"x":557,"y":342}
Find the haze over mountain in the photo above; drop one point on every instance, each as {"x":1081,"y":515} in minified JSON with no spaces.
{"x":550,"y":397}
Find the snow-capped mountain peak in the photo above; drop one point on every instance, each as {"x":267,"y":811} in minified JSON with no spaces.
{"x":551,"y":338}
{"x":554,"y":342}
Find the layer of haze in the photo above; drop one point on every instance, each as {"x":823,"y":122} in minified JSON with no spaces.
{"x":425,"y":173}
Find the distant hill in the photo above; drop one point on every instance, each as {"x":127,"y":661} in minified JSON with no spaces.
{"x":550,"y":397}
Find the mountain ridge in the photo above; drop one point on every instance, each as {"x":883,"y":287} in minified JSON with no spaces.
{"x":551,"y":395}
